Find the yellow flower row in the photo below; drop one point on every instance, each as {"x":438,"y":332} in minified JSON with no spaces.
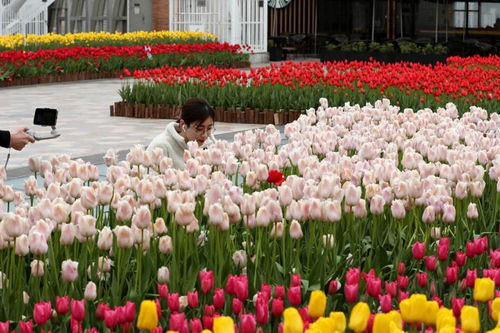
{"x":19,"y":40}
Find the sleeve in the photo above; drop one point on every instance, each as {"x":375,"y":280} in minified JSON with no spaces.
{"x":5,"y":139}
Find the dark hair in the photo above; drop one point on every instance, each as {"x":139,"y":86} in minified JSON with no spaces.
{"x":196,"y":110}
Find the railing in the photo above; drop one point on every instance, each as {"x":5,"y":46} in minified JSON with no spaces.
{"x":238,"y":22}
{"x":24,"y":16}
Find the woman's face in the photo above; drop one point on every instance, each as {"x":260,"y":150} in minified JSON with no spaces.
{"x":199,"y":132}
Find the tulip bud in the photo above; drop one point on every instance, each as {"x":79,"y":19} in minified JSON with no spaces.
{"x":22,"y":245}
{"x":240,"y":258}
{"x":62,"y":305}
{"x":418,"y":250}
{"x":430,"y":263}
{"x":37,"y":268}
{"x":472,"y":212}
{"x":163,"y":274}
{"x":90,"y":293}
{"x":295,"y":230}
{"x":124,"y":237}
{"x":351,"y":292}
{"x":105,"y":240}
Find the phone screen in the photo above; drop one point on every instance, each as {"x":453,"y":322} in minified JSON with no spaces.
{"x":45,"y":117}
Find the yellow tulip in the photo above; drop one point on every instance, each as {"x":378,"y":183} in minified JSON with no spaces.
{"x":360,"y":315}
{"x":470,"y":319}
{"x":393,"y":328}
{"x":293,"y":321}
{"x":206,"y":331}
{"x":484,"y":289}
{"x":495,"y":330}
{"x":323,"y":325}
{"x":169,"y":331}
{"x":339,"y":321}
{"x":148,"y":316}
{"x":495,"y":309}
{"x":223,"y":325}
{"x":396,"y":319}
{"x":447,"y":329}
{"x":381,"y":323}
{"x":413,"y":309}
{"x":317,"y":304}
{"x":431,"y":313}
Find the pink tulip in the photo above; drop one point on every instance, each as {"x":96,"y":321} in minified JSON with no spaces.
{"x":78,"y":310}
{"x":195,"y":325}
{"x":451,"y":274}
{"x":333,"y":287}
{"x":495,"y":258}
{"x":470,"y":277}
{"x":207,"y":281}
{"x":294,"y":296}
{"x":69,"y":270}
{"x":208,"y":322}
{"x":163,"y":290}
{"x":241,"y":288}
{"x":42,"y":313}
{"x":351,"y":293}
{"x":265,"y":291}
{"x":295,"y":280}
{"x":374,"y":287}
{"x":279,"y":291}
{"x":4,"y":326}
{"x":100,"y":312}
{"x":385,"y":303}
{"x":401,"y":268}
{"x":460,"y":258}
{"x":430,"y":263}
{"x":237,"y":306}
{"x":418,"y":250}
{"x":178,"y":323}
{"x":443,"y":248}
{"x":402,"y":282}
{"x":262,"y":310}
{"x":110,"y":319}
{"x":192,"y":297}
{"x":248,"y":323}
{"x":173,"y":302}
{"x":26,"y":327}
{"x":403,"y":295}
{"x":219,"y":298}
{"x":124,"y":211}
{"x":457,"y":304}
{"x":391,"y":288}
{"x":422,"y":279}
{"x":277,"y":307}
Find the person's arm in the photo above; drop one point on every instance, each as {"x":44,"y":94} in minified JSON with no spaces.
{"x":5,"y":139}
{"x":18,"y":139}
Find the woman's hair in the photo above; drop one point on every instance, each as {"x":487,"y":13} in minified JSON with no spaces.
{"x":196,"y":110}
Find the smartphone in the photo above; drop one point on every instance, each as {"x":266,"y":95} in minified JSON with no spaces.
{"x":45,"y":117}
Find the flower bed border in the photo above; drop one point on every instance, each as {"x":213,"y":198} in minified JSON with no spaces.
{"x":80,"y":76}
{"x":228,"y":115}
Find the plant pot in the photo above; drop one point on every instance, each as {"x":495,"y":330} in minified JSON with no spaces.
{"x":275,"y":53}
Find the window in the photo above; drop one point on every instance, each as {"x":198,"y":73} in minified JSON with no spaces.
{"x":490,"y":15}
{"x":459,"y":12}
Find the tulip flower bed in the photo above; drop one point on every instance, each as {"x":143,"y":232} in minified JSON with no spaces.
{"x":274,"y":94}
{"x":408,"y":200}
{"x":97,"y":39}
{"x":69,"y":63}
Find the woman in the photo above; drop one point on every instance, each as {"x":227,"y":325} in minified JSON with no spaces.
{"x":195,"y":124}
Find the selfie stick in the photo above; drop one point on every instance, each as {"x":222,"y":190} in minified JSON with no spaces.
{"x":53,"y":134}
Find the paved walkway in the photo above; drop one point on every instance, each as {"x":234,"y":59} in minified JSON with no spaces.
{"x":84,"y":122}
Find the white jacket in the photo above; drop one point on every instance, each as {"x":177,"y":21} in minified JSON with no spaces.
{"x":173,"y":145}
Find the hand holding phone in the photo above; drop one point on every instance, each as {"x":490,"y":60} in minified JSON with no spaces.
{"x":45,"y":117}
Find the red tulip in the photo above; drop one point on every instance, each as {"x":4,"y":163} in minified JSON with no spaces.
{"x":219,"y":298}
{"x":418,"y":250}
{"x":265,"y":290}
{"x":193,"y":301}
{"x":195,"y":325}
{"x":158,"y":307}
{"x":110,"y":319}
{"x":495,"y":258}
{"x":369,"y":327}
{"x":279,"y":291}
{"x":482,"y":244}
{"x":4,"y":326}
{"x":62,"y":305}
{"x":42,"y":313}
{"x":451,"y":274}
{"x":351,"y":293}
{"x":422,"y":279}
{"x":76,"y":326}
{"x":101,"y":311}
{"x":369,"y":275}
{"x":207,"y":281}
{"x":385,"y":302}
{"x":241,"y":288}
{"x":352,"y":276}
{"x":295,"y":280}
{"x":402,"y":282}
{"x":401,"y":268}
{"x":178,"y":323}
{"x":431,"y":263}
{"x":275,"y":177}
{"x":26,"y":326}
{"x":262,"y":310}
{"x":304,"y":313}
{"x":443,"y":248}
{"x":208,"y":322}
{"x":209,"y":310}
{"x":457,"y":304}
{"x":333,"y":287}
{"x":294,"y":296}
{"x":248,"y":323}
{"x":403,"y":295}
{"x":237,"y":306}
{"x":470,"y":249}
{"x":173,"y":302}
{"x":470,"y":277}
{"x":129,"y":308}
{"x":78,"y":310}
{"x":120,"y":314}
{"x":374,"y":287}
{"x":230,"y":284}
{"x":163,"y":290}
{"x":391,"y":288}
{"x":277,"y":307}
{"x":460,"y":258}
